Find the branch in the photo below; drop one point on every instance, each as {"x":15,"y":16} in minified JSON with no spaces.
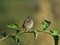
{"x":4,"y":38}
{"x":31,"y":31}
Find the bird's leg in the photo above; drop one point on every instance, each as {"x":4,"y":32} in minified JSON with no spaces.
{"x":25,"y":30}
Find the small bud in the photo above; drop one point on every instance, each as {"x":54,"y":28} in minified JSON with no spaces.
{"x":53,"y":32}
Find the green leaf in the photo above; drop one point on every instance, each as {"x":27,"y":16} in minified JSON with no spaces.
{"x":56,"y":38}
{"x":35,"y":34}
{"x":54,"y":32}
{"x":45,"y":24}
{"x":13,"y":26}
{"x":4,"y":34}
{"x":13,"y":37}
{"x":16,"y":39}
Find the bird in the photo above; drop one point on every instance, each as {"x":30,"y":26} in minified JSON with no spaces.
{"x":28,"y":23}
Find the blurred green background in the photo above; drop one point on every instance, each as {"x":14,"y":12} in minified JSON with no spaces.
{"x":16,"y":11}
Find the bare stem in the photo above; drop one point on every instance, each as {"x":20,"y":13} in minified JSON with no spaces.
{"x":4,"y":38}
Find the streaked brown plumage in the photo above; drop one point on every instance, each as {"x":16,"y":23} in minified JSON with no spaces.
{"x":28,"y":23}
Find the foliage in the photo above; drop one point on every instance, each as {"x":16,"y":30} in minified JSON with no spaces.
{"x":44,"y":25}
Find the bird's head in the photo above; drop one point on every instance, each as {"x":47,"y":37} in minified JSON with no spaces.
{"x":29,"y":17}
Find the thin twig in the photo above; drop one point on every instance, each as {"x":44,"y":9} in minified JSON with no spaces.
{"x":4,"y":38}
